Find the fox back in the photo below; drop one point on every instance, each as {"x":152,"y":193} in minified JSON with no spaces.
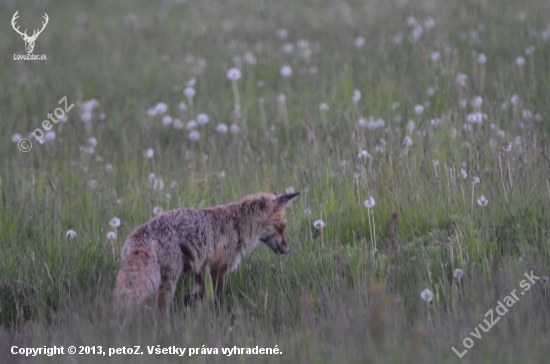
{"x":187,"y":240}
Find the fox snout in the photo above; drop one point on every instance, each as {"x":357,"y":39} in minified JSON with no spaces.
{"x":283,"y":250}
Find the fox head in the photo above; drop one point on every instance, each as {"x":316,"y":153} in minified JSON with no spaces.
{"x":273,"y":228}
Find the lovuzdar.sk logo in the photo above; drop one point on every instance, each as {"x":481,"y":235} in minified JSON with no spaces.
{"x":29,"y":40}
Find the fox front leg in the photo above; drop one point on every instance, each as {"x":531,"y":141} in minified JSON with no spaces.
{"x":218,"y":280}
{"x":198,"y":291}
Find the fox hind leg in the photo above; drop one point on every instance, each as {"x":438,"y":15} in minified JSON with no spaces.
{"x":169,"y":280}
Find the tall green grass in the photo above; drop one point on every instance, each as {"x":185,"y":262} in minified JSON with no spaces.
{"x":349,"y":292}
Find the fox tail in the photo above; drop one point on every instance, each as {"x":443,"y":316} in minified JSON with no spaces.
{"x":138,"y":280}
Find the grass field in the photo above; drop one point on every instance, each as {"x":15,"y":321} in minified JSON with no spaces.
{"x":438,"y":110}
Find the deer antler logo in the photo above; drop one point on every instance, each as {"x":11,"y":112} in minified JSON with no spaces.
{"x":29,"y":41}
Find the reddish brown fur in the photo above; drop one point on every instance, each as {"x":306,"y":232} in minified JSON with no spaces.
{"x":187,"y":240}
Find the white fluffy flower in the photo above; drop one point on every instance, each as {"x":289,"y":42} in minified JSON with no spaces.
{"x":234,"y":129}
{"x":149,"y":153}
{"x":111,"y":235}
{"x":177,"y":124}
{"x":286,"y":71}
{"x":364,"y":154}
{"x":167,"y":120}
{"x":234,"y":74}
{"x":182,"y":107}
{"x":222,"y":128}
{"x":520,"y":61}
{"x":189,"y":92}
{"x":203,"y":119}
{"x":482,"y":201}
{"x":158,"y":211}
{"x":356,"y":96}
{"x":16,"y":138}
{"x":360,"y":42}
{"x":318,"y":224}
{"x":369,"y":203}
{"x":481,"y":58}
{"x":427,"y":295}
{"x":407,"y":141}
{"x":194,"y":135}
{"x":458,"y":273}
{"x":115,"y":222}
{"x":71,"y":234}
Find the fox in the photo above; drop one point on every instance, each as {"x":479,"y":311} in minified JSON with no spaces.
{"x":187,"y":240}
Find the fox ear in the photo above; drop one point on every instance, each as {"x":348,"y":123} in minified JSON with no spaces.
{"x":282,"y":200}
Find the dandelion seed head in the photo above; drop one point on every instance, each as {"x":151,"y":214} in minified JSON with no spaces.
{"x":318,"y":224}
{"x":194,"y":135}
{"x":434,"y":56}
{"x":222,"y":128}
{"x":250,"y":59}
{"x":427,"y":295}
{"x":356,"y":96}
{"x":482,"y":201}
{"x":458,"y":273}
{"x":16,"y":138}
{"x":520,"y":61}
{"x":167,"y":120}
{"x":111,"y":235}
{"x":234,"y":129}
{"x":481,"y":58}
{"x":461,"y":80}
{"x":429,"y":23}
{"x":189,"y":92}
{"x":475,"y":180}
{"x":286,"y":71}
{"x":182,"y":107}
{"x":234,"y":74}
{"x":157,"y":210}
{"x":149,"y":153}
{"x":114,"y":222}
{"x":369,"y":203}
{"x":177,"y":124}
{"x":282,"y":33}
{"x":364,"y":154}
{"x":323,"y":107}
{"x":49,"y":136}
{"x":478,"y":101}
{"x":360,"y":42}
{"x":203,"y":119}
{"x":418,"y":109}
{"x":288,"y":48}
{"x":71,"y":234}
